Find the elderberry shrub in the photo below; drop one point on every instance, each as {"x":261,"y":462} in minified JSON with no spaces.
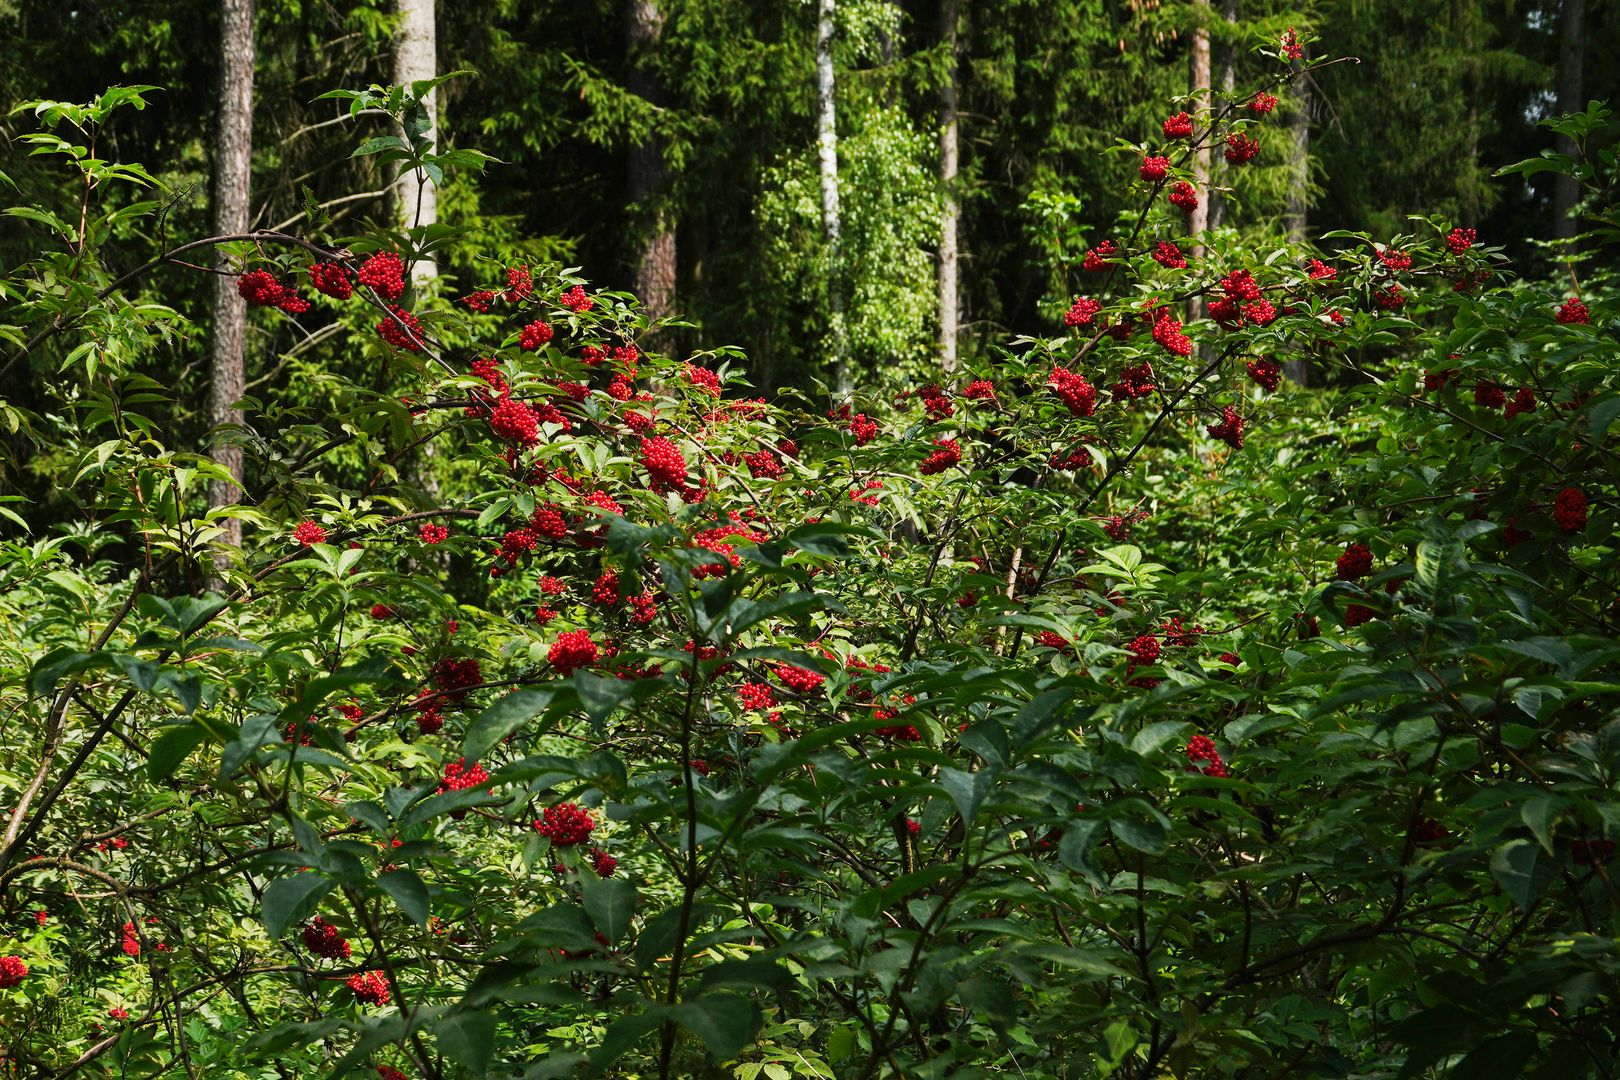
{"x":1111,"y":707}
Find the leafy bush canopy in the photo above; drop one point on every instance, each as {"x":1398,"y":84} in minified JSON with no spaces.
{"x":1115,"y":710}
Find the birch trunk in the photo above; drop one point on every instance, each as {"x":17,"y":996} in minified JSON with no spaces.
{"x":233,"y":166}
{"x":1198,"y":79}
{"x":827,"y":151}
{"x":415,"y":59}
{"x":1296,"y":210}
{"x":950,"y":209}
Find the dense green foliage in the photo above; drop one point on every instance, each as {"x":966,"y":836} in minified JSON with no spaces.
{"x":1106,"y":708}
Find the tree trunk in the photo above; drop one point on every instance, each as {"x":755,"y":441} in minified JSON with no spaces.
{"x":827,"y":145}
{"x":1228,"y":84}
{"x":233,"y":172}
{"x":655,"y":249}
{"x":1571,"y":61}
{"x":1296,"y":209}
{"x":950,"y":209}
{"x":416,"y":58}
{"x":1198,"y":79}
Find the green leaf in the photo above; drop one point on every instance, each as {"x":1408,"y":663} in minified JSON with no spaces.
{"x":1148,"y":836}
{"x":170,"y":749}
{"x":967,"y":790}
{"x":292,"y":899}
{"x":409,"y":892}
{"x":601,"y":694}
{"x":1119,"y":1038}
{"x":1541,"y":815}
{"x":610,"y":902}
{"x":1156,"y":735}
{"x":1603,"y":414}
{"x":467,"y":1039}
{"x":256,"y":731}
{"x":1522,"y":871}
{"x":502,"y":718}
{"x":725,"y":1022}
{"x":1074,"y":850}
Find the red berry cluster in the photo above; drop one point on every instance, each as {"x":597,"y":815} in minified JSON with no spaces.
{"x":431,"y":533}
{"x":1573,"y":311}
{"x":1053,"y":640}
{"x":1229,"y":429}
{"x":515,"y":422}
{"x":606,"y":589}
{"x":261,"y":289}
{"x":1167,"y":332}
{"x":535,"y":335}
{"x":572,"y":649}
{"x":1265,"y":372}
{"x":1144,"y":649}
{"x":1179,"y":126}
{"x":1169,"y":256}
{"x":980,"y":390}
{"x":936,"y":403}
{"x":1263,"y":103}
{"x":1395,"y":259}
{"x":307,"y":533}
{"x":1078,"y":394}
{"x":384,"y":272}
{"x":1460,"y":240}
{"x":755,"y":696}
{"x":702,"y":379}
{"x":1241,"y":148}
{"x":401,"y":329}
{"x":798,"y":679}
{"x":323,"y":939}
{"x":332,"y":279}
{"x":519,"y":284}
{"x":1081,"y":312}
{"x":863,"y":428}
{"x":565,"y":825}
{"x":946,"y":453}
{"x":1569,"y":509}
{"x":371,"y":987}
{"x":12,"y":971}
{"x":1201,"y":748}
{"x":1098,"y":259}
{"x":1184,"y":196}
{"x":1155,"y":168}
{"x":1135,"y":382}
{"x":576,"y":300}
{"x":460,"y":776}
{"x":1355,"y":563}
{"x":666,"y":468}
{"x":132,"y":940}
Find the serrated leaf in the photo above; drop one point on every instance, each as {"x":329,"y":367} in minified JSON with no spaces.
{"x":292,"y":899}
{"x":610,"y":902}
{"x":1522,"y":870}
{"x":500,"y":719}
{"x":967,"y":790}
{"x":170,"y":749}
{"x":467,"y":1039}
{"x":725,"y":1022}
{"x":409,"y":892}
